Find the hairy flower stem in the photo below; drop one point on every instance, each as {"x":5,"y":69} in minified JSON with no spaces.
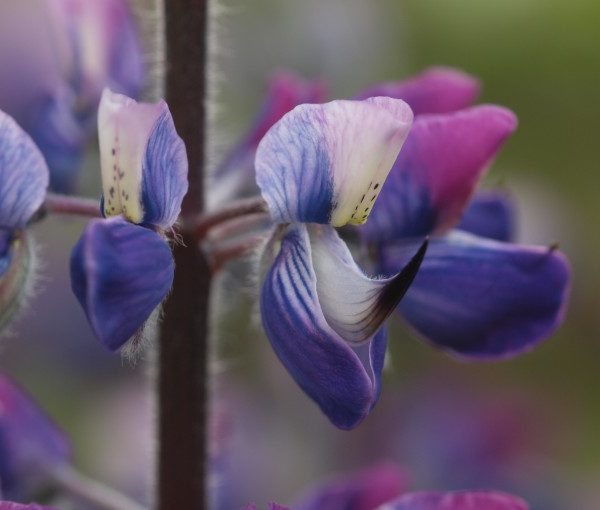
{"x":182,"y":371}
{"x":90,"y":492}
{"x":203,"y":223}
{"x":65,"y":204}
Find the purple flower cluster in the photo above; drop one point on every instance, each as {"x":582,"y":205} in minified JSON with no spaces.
{"x":475,"y":294}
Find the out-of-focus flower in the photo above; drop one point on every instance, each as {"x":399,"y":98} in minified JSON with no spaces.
{"x":319,"y":167}
{"x":122,"y":268}
{"x":435,"y":90}
{"x":364,"y":490}
{"x":366,"y":496}
{"x":31,"y":445}
{"x":23,"y":184}
{"x":482,"y":500}
{"x":235,"y":174}
{"x":7,"y":505}
{"x":474,"y":296}
{"x":61,"y":54}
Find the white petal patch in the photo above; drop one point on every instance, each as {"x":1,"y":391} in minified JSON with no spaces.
{"x":124,"y":127}
{"x":364,"y":140}
{"x":354,"y":305}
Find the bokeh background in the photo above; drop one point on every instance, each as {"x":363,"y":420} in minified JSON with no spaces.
{"x":529,"y":425}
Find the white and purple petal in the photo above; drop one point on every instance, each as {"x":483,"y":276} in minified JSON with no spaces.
{"x":437,"y":172}
{"x":327,"y":163}
{"x":490,"y":214}
{"x":353,"y":304}
{"x":462,"y":500}
{"x":120,"y":273}
{"x":435,"y":90}
{"x":23,"y":175}
{"x":143,"y":160}
{"x":481,"y":298}
{"x":31,"y":445}
{"x":326,"y":328}
{"x":322,"y":363}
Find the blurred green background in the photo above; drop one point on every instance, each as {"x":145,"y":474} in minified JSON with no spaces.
{"x":541,"y":58}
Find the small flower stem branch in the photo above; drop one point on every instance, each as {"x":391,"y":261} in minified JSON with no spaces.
{"x":91,"y":492}
{"x":205,"y":222}
{"x":237,"y":226}
{"x":75,"y":206}
{"x":183,"y":348}
{"x":222,"y":253}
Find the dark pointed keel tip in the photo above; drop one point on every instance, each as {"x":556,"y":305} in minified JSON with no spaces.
{"x":398,"y":287}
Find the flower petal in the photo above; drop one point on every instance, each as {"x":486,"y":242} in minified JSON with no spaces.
{"x":319,"y":360}
{"x":354,"y":305}
{"x":435,"y":90}
{"x":364,"y":490}
{"x":23,"y":175}
{"x":144,"y":163}
{"x":31,"y":445}
{"x":120,"y":273}
{"x":327,"y":163}
{"x":481,"y":298}
{"x":437,"y":171}
{"x":464,"y":500}
{"x":490,"y":214}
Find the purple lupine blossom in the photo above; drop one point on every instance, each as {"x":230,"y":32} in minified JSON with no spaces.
{"x":319,"y":167}
{"x":23,"y":184}
{"x":474,"y":296}
{"x":31,"y":445}
{"x":61,"y":53}
{"x":122,"y":268}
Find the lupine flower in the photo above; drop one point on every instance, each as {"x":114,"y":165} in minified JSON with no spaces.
{"x":23,"y":184}
{"x":319,"y":167}
{"x":474,"y":296}
{"x":61,"y":53}
{"x":436,"y":90}
{"x":31,"y":445}
{"x":122,"y":267}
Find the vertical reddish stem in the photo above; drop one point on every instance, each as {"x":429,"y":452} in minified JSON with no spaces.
{"x":183,"y":344}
